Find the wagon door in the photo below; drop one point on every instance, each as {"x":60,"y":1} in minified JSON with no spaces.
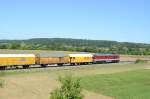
{"x":37,"y":61}
{"x":61,"y":59}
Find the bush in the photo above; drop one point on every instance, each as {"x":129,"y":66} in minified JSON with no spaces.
{"x":140,"y":61}
{"x":70,"y":89}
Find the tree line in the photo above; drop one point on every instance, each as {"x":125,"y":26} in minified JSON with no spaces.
{"x":80,"y":45}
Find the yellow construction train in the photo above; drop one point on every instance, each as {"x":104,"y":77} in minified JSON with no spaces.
{"x":26,"y":60}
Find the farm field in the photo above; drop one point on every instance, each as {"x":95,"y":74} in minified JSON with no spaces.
{"x":8,"y":51}
{"x":33,"y":84}
{"x":134,"y":57}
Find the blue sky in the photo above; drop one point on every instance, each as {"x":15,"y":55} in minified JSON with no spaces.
{"x":119,"y":20}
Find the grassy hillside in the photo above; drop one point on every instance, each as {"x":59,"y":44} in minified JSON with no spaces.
{"x":82,"y":45}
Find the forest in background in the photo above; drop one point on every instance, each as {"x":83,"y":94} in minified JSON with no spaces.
{"x":79,"y":45}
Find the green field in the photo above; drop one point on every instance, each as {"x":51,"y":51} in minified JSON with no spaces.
{"x":99,"y":81}
{"x":125,"y":85}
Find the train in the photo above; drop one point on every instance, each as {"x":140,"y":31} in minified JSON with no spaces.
{"x":26,"y":60}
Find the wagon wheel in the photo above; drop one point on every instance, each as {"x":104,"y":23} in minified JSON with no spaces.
{"x":43,"y":65}
{"x":2,"y":67}
{"x":25,"y":66}
{"x":60,"y":64}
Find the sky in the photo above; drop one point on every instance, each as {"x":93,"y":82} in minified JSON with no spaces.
{"x":118,"y":20}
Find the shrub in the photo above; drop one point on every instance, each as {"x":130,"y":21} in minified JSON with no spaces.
{"x":140,"y":61}
{"x":70,"y":89}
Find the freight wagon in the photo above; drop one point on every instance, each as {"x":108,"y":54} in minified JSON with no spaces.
{"x":77,"y":59}
{"x":16,"y":60}
{"x":48,"y":59}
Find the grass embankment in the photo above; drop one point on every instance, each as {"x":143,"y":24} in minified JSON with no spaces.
{"x":125,"y":85}
{"x":80,"y":71}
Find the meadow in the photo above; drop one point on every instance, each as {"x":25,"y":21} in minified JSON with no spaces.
{"x":100,"y":81}
{"x":125,"y":85}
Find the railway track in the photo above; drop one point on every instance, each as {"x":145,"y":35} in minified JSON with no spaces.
{"x":38,"y":68}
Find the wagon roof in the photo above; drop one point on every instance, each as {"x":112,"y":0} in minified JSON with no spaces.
{"x":102,"y":54}
{"x":52,"y":55}
{"x":17,"y":55}
{"x":81,"y":55}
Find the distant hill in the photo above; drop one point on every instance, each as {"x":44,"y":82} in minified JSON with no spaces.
{"x":82,"y":45}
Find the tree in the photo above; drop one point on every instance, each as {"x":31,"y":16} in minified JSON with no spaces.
{"x":70,"y":89}
{"x":3,"y":46}
{"x":80,"y":45}
{"x":15,"y":46}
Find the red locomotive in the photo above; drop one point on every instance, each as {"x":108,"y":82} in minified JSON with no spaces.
{"x":106,"y":58}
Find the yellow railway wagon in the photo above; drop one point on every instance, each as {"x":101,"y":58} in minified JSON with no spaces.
{"x":81,"y":58}
{"x":48,"y":59}
{"x":16,"y":59}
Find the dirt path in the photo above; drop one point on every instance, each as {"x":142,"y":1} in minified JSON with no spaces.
{"x":28,"y":87}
